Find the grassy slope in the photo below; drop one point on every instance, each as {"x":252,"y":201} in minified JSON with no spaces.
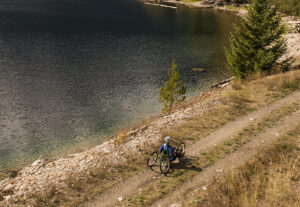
{"x":271,"y":179}
{"x":235,"y":103}
{"x":159,"y":188}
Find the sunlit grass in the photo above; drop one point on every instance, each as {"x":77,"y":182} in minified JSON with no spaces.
{"x":272,"y":179}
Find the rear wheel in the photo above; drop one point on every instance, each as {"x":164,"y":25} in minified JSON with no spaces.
{"x":152,"y":159}
{"x":165,"y":165}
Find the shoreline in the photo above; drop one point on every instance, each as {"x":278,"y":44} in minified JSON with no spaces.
{"x":293,"y":37}
{"x":240,"y":10}
{"x":293,"y":40}
{"x":41,"y":174}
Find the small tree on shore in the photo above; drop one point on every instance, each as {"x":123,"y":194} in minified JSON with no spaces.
{"x":173,"y":91}
{"x":258,"y":46}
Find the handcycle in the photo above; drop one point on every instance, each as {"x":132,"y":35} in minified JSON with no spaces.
{"x":163,"y":159}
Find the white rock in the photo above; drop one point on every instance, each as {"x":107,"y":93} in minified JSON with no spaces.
{"x":220,"y":170}
{"x":175,"y":205}
{"x":251,"y":119}
{"x":120,"y":199}
{"x":204,"y":188}
{"x":8,"y":187}
{"x":35,"y":163}
{"x":7,"y":198}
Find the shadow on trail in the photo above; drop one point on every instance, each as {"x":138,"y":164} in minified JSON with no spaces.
{"x":156,"y":169}
{"x":186,"y":163}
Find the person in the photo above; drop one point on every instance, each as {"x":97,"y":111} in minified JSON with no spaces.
{"x":167,"y":148}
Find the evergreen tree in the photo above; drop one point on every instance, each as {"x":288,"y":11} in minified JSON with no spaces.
{"x":258,"y":45}
{"x":173,"y":91}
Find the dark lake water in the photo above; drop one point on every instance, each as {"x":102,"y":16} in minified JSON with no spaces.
{"x":75,"y":71}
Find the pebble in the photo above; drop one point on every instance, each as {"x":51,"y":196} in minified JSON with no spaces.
{"x":8,"y":187}
{"x":7,"y":198}
{"x":175,"y":205}
{"x":35,"y":163}
{"x":220,"y":170}
{"x":120,"y":199}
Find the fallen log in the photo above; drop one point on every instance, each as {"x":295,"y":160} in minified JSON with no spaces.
{"x":222,"y":83}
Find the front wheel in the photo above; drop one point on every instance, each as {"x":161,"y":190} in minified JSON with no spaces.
{"x":152,"y":159}
{"x":165,"y":166}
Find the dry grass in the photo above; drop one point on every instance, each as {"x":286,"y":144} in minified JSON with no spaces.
{"x":233,"y":104}
{"x":183,"y":172}
{"x":272,"y":179}
{"x":230,"y":146}
{"x":236,"y":84}
{"x":122,"y":137}
{"x":284,"y":82}
{"x":192,"y":101}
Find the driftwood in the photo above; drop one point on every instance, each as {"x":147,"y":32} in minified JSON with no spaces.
{"x":161,"y":5}
{"x":297,"y":28}
{"x":222,"y":83}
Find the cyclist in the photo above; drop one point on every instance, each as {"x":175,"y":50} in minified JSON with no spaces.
{"x":167,"y":148}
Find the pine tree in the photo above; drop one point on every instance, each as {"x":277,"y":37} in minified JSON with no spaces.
{"x":173,"y":91}
{"x":258,"y":45}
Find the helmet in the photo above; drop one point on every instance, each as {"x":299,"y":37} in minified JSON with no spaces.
{"x":168,"y":139}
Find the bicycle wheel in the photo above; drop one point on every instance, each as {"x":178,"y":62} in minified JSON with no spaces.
{"x":165,"y":166}
{"x":181,"y":150}
{"x":152,"y":159}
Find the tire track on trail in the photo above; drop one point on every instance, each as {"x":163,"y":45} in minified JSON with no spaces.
{"x":235,"y":160}
{"x":130,"y":186}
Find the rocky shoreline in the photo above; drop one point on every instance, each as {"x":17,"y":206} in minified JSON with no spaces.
{"x":239,"y":9}
{"x":43,"y":176}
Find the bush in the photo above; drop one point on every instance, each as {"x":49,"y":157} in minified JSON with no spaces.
{"x":173,"y":91}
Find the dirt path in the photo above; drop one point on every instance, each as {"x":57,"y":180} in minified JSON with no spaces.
{"x":130,"y":186}
{"x":234,"y":160}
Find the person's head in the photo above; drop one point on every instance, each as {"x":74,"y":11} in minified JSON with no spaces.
{"x":167,"y":140}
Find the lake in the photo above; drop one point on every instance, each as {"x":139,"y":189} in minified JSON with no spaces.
{"x":73,"y":72}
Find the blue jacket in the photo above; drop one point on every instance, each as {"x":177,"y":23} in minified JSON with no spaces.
{"x":168,"y":149}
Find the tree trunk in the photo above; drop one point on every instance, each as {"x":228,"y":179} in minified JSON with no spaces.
{"x":170,"y":109}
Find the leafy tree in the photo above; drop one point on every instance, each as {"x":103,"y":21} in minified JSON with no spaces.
{"x":258,"y":45}
{"x":173,"y":91}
